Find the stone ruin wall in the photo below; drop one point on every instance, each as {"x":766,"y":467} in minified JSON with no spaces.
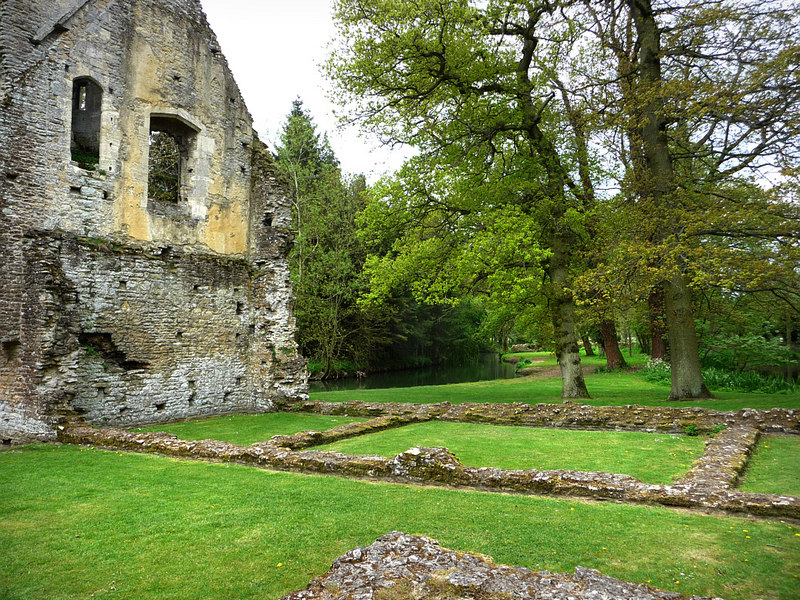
{"x":115,"y":305}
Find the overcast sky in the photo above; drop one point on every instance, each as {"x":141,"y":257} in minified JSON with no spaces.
{"x":274,"y":48}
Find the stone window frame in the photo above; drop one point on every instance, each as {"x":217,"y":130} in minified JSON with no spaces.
{"x":87,"y":93}
{"x":184,"y":130}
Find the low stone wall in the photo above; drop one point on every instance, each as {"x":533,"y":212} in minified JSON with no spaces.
{"x":306,"y":439}
{"x":438,"y":466}
{"x":724,"y":459}
{"x":415,"y":567}
{"x":571,"y":415}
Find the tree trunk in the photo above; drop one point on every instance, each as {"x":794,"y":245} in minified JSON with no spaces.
{"x":687,"y":380}
{"x":562,"y":310}
{"x":658,"y":328}
{"x":614,"y":358}
{"x":643,"y":337}
{"x":587,"y":345}
{"x":659,"y":188}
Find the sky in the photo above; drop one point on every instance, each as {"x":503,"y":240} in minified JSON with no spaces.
{"x":275,"y":49}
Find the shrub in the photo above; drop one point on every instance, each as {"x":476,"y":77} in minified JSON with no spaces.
{"x":657,"y":370}
{"x":692,"y":430}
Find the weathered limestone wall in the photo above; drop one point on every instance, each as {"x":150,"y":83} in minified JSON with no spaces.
{"x":202,"y":323}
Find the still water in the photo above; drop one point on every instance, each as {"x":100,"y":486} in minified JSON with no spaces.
{"x":485,"y":367}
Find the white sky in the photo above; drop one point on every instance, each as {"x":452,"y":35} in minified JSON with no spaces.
{"x":274,"y":48}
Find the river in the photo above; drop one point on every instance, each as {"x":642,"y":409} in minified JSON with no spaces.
{"x":485,"y":367}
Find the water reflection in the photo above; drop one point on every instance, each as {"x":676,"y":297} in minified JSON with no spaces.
{"x":485,"y":367}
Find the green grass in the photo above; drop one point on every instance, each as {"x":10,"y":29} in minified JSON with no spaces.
{"x":653,"y":458}
{"x":774,"y":468}
{"x":78,"y":523}
{"x":548,"y":359}
{"x":248,"y":429}
{"x":607,"y":389}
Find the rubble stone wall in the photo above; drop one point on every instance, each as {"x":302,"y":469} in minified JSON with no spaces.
{"x":707,"y":485}
{"x":416,"y":567}
{"x":113,"y":304}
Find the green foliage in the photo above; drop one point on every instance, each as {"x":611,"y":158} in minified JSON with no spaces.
{"x":86,"y":160}
{"x":717,"y":429}
{"x":692,"y":430}
{"x":658,"y":371}
{"x":747,"y":381}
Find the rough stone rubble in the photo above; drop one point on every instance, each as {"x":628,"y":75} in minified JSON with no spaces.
{"x":709,"y":484}
{"x":408,"y":567}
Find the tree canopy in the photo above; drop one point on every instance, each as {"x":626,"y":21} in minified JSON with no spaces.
{"x":650,"y":145}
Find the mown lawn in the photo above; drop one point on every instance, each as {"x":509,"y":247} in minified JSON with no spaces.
{"x":652,"y":458}
{"x":606,"y":389}
{"x":249,"y":429}
{"x":774,"y":467}
{"x":80,"y":523}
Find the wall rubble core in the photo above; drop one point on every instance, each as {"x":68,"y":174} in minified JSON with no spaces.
{"x":117,"y":303}
{"x":415,"y":567}
{"x":707,"y":485}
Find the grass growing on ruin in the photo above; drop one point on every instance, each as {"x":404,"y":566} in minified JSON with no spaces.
{"x":248,"y":429}
{"x":79,"y":523}
{"x":774,"y":467}
{"x":607,"y":389}
{"x":652,"y":458}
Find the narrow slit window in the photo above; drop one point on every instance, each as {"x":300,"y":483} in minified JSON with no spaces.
{"x":87,"y":100}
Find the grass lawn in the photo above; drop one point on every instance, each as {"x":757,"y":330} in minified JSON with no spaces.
{"x":652,"y":458}
{"x":548,"y":359}
{"x":607,"y":389}
{"x":249,"y":429}
{"x":774,"y":467}
{"x":79,"y":523}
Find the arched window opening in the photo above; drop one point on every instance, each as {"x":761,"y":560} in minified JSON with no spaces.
{"x":171,"y":141}
{"x":87,"y":100}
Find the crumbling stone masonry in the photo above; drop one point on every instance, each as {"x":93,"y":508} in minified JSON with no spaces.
{"x":414,"y":567}
{"x":143,"y":227}
{"x":709,"y":484}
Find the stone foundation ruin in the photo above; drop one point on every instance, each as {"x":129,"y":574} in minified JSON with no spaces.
{"x":143,"y":228}
{"x":709,"y":483}
{"x":412,"y":567}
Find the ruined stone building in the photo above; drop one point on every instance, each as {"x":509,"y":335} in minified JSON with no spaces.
{"x":143,"y":227}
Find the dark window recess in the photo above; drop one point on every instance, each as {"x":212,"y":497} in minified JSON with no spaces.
{"x":268,"y":220}
{"x":239,"y":308}
{"x":11,"y":350}
{"x":238,"y":381}
{"x":251,"y":329}
{"x":171,"y":143}
{"x":100,"y":344}
{"x":87,"y":101}
{"x":160,"y":406}
{"x":179,"y":334}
